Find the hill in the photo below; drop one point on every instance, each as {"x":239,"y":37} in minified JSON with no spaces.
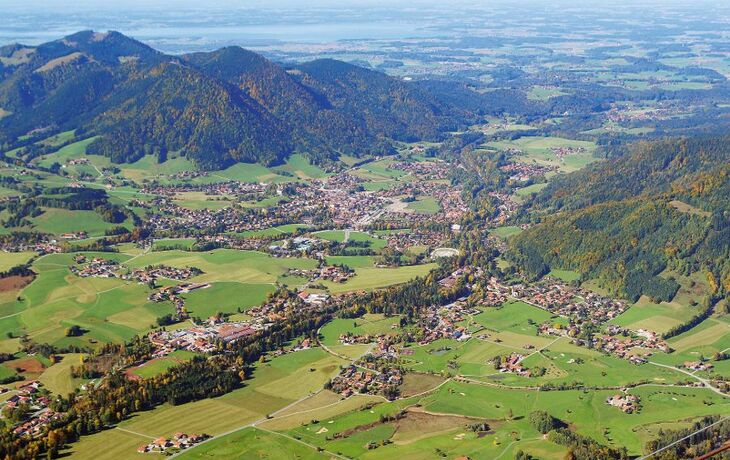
{"x":216,"y":108}
{"x":625,"y":221}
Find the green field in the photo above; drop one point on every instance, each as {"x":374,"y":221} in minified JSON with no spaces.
{"x":57,"y":221}
{"x":269,"y":390}
{"x":425,"y":205}
{"x":254,"y":443}
{"x":565,"y":275}
{"x":543,"y":93}
{"x":226,"y":297}
{"x":368,"y":278}
{"x":112,"y":310}
{"x":538,"y":150}
{"x":158,"y":366}
{"x":506,"y":232}
{"x":9,"y":260}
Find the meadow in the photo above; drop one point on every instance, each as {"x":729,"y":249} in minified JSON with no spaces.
{"x":536,"y":149}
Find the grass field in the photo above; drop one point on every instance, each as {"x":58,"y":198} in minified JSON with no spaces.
{"x":543,"y":93}
{"x":301,"y":167}
{"x":425,"y":205}
{"x":270,"y":389}
{"x":506,"y":232}
{"x":537,"y":149}
{"x":254,"y":443}
{"x":339,"y":237}
{"x":368,"y":278}
{"x":57,"y":378}
{"x":158,"y":366}
{"x":9,"y":260}
{"x":112,"y":310}
{"x":226,"y":297}
{"x":57,"y":221}
{"x":565,"y":275}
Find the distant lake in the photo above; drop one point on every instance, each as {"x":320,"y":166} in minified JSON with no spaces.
{"x":183,"y":32}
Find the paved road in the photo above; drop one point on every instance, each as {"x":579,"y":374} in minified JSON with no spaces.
{"x":705,"y":382}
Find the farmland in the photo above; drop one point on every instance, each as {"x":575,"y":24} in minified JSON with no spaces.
{"x":471,"y":235}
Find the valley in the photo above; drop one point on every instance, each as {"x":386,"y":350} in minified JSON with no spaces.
{"x":217,"y":254}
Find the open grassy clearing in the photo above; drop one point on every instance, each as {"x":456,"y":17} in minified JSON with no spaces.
{"x":9,"y":260}
{"x":226,"y":297}
{"x":586,"y":409}
{"x":372,"y":278}
{"x":656,"y":317}
{"x":543,"y":93}
{"x":57,"y":378}
{"x":57,"y":221}
{"x":158,"y":366}
{"x":112,"y":310}
{"x":351,"y":261}
{"x":565,"y":275}
{"x":538,"y":150}
{"x":254,"y":443}
{"x":302,"y":168}
{"x":506,"y":231}
{"x":425,"y":205}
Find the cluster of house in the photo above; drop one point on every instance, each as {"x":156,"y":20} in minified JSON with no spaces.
{"x":232,"y":188}
{"x":80,"y":235}
{"x":187,"y":175}
{"x":331,"y":273}
{"x":441,"y":322}
{"x":493,"y":292}
{"x":179,"y":441}
{"x":698,"y":365}
{"x":363,"y":380}
{"x":562,"y":152}
{"x":313,"y":298}
{"x":203,"y":338}
{"x":628,"y":403}
{"x":103,"y":268}
{"x":523,"y":172}
{"x":512,"y":363}
{"x":96,"y":268}
{"x":402,"y":240}
{"x":41,"y":247}
{"x":41,"y":415}
{"x":172,"y":293}
{"x":424,"y":170}
{"x":506,"y":208}
{"x":145,"y":275}
{"x":581,"y":305}
{"x":297,"y":246}
{"x":77,"y":161}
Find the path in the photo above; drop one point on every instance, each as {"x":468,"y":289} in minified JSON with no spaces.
{"x":705,"y":382}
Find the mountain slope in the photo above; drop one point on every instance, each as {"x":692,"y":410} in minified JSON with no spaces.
{"x":625,"y":221}
{"x":217,"y":108}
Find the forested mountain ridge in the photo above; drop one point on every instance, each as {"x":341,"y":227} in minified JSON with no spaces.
{"x":663,"y":206}
{"x":217,"y":108}
{"x":671,"y":167}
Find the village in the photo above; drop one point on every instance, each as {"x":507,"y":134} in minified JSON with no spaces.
{"x":33,"y":403}
{"x":628,"y":403}
{"x":103,"y":268}
{"x":179,"y":441}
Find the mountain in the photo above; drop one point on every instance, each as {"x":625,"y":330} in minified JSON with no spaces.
{"x":217,"y":108}
{"x":662,"y":208}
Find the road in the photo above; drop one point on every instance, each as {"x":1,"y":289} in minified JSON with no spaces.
{"x":705,"y":382}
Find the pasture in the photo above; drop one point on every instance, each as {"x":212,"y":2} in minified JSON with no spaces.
{"x":114,"y":310}
{"x":537,"y":149}
{"x":369,"y":278}
{"x":269,"y":390}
